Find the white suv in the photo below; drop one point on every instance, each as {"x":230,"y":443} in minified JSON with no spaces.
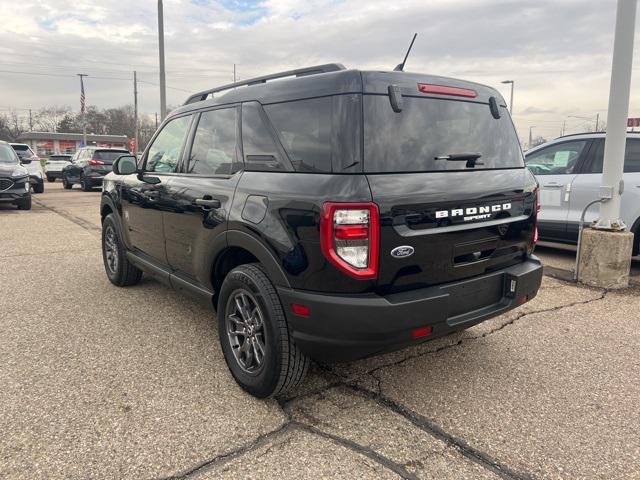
{"x":31,"y":162}
{"x":569,"y":170}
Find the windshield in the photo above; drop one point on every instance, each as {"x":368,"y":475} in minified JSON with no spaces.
{"x":7,"y":155}
{"x":430,"y":133}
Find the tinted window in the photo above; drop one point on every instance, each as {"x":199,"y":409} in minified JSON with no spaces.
{"x":164,"y":153}
{"x":214,"y":145}
{"x":21,"y":148}
{"x":259,"y":148}
{"x":427,"y":128}
{"x":304,"y":127}
{"x":7,"y":155}
{"x":108,"y":156}
{"x":60,"y":158}
{"x":556,"y":159}
{"x":631,"y":157}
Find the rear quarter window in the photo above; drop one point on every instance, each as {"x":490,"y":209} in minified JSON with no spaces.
{"x":305,"y":130}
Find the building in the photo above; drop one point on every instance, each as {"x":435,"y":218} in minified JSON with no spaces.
{"x":48,"y":143}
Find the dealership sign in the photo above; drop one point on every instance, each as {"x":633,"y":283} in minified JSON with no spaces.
{"x":633,"y":122}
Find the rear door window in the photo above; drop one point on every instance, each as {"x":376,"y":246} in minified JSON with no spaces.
{"x":305,"y":131}
{"x":214,"y":145}
{"x":556,"y":159}
{"x":108,"y":156}
{"x":631,"y":157}
{"x":429,"y":130}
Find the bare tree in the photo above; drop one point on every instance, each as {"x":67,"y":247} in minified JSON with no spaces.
{"x":47,"y":118}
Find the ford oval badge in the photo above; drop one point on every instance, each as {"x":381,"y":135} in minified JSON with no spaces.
{"x":402,"y":251}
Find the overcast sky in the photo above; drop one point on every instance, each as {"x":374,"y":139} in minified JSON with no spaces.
{"x":558,"y":52}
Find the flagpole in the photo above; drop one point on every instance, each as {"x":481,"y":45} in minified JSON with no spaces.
{"x":82,"y":109}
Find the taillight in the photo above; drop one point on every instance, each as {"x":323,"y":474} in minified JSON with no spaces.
{"x":350,"y":237}
{"x":444,"y":90}
{"x":95,"y":162}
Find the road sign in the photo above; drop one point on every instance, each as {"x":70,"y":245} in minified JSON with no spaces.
{"x":633,"y":122}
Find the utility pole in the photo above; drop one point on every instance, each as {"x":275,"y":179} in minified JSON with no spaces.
{"x":564,"y":125}
{"x":512,"y":82}
{"x":597,"y":121}
{"x":135,"y":112}
{"x":82,"y":109}
{"x":163,"y":87}
{"x":615,"y":141}
{"x":604,"y":258}
{"x":30,"y":121}
{"x":531,"y":135}
{"x":234,"y":73}
{"x":156,"y":120}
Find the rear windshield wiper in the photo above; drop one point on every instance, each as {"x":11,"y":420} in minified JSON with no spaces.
{"x":470,"y":158}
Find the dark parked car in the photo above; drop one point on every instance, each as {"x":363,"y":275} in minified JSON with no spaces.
{"x":88,"y":167}
{"x":334,"y":214}
{"x":32,"y":163}
{"x":14,"y":179}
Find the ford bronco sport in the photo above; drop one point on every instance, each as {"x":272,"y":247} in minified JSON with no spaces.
{"x":332,"y":214}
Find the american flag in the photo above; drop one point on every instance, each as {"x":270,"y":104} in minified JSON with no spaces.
{"x":81,"y":95}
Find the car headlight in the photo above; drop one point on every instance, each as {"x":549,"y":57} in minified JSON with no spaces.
{"x":19,"y":172}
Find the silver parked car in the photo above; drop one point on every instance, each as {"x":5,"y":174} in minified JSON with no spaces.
{"x":569,"y":170}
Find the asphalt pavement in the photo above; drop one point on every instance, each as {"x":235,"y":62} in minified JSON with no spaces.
{"x":101,"y":382}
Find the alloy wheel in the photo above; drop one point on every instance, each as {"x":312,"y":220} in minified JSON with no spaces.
{"x":111,"y":249}
{"x":245,"y":330}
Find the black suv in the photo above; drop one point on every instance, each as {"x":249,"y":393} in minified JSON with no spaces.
{"x":14,"y":179}
{"x":88,"y":167}
{"x":332,"y":215}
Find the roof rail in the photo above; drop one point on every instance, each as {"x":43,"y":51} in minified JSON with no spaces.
{"x":300,"y":72}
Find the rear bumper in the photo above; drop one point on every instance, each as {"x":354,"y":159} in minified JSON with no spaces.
{"x":53,"y":173}
{"x":347,"y":327}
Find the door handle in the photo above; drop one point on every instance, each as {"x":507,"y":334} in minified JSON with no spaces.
{"x":208,"y":202}
{"x":553,"y":185}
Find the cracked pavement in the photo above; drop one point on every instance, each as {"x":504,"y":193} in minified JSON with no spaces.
{"x":100,"y":382}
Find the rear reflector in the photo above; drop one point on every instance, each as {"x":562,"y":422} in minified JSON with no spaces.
{"x":95,"y":162}
{"x":421,"y":332}
{"x":522,"y":299}
{"x":443,"y":90}
{"x":301,"y":310}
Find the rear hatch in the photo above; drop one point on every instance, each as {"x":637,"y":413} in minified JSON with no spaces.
{"x":448,"y":176}
{"x":102,"y":160}
{"x":57,"y":163}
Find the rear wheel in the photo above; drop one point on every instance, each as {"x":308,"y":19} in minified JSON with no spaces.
{"x":255,"y":336}
{"x":25,"y":203}
{"x":38,"y":188}
{"x":119,"y":270}
{"x":66,"y":184}
{"x":85,"y":184}
{"x":51,"y":179}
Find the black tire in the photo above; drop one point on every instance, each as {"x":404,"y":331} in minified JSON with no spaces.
{"x":120,"y":272}
{"x":283,"y":365}
{"x":38,"y":188}
{"x":24,"y":204}
{"x":65,"y":183}
{"x":85,"y":185}
{"x":51,"y":179}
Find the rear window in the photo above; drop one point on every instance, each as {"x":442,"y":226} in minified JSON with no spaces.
{"x":108,"y":155}
{"x":429,"y":128}
{"x":58,"y":158}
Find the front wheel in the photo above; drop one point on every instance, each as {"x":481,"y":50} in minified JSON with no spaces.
{"x":65,"y":183}
{"x":255,"y":336}
{"x":120,"y":271}
{"x":25,"y":203}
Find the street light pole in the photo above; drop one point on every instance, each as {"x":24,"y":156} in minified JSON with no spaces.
{"x":531,"y":135}
{"x":135,"y":112}
{"x":163,"y":88}
{"x":82,"y":109}
{"x":618,"y":111}
{"x":512,"y":82}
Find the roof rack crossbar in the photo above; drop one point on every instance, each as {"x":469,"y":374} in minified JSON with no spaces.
{"x":300,"y":72}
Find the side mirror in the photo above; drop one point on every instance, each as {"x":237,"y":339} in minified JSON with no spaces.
{"x":125,"y":165}
{"x":25,"y":161}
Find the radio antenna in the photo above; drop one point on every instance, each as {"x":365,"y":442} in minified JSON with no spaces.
{"x":400,"y":67}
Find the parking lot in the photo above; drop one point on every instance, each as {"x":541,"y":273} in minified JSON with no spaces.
{"x":101,"y":382}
